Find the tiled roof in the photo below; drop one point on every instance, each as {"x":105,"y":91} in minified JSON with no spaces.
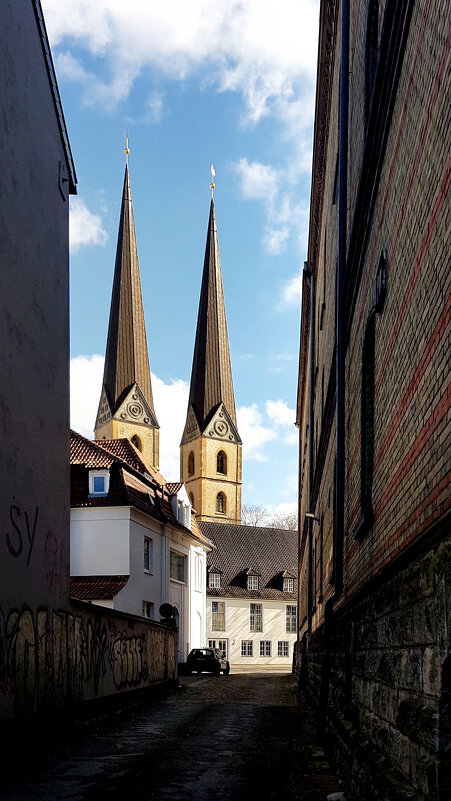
{"x":96,"y":588}
{"x":249,"y":550}
{"x":127,"y":452}
{"x":173,"y":487}
{"x":84,"y":451}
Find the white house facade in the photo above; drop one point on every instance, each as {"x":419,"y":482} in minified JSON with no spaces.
{"x":134,"y":544}
{"x":252,"y":594}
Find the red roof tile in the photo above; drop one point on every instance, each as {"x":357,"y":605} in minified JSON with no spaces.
{"x":96,"y":588}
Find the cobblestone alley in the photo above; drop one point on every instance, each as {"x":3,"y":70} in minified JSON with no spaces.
{"x":235,"y":737}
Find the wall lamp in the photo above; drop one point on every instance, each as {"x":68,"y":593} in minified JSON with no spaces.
{"x":311,"y":516}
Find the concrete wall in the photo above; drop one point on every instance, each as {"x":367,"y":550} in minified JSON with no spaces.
{"x":237,"y":629}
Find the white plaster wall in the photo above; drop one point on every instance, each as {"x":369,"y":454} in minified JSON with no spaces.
{"x":197,"y":597}
{"x":142,"y":585}
{"x":99,"y":541}
{"x":237,"y":629}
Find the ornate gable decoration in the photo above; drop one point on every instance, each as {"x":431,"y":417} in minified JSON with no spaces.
{"x":104,"y":410}
{"x":191,"y":430}
{"x":135,"y":409}
{"x":221,"y":426}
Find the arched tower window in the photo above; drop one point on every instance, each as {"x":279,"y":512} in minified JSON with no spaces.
{"x":191,"y":464}
{"x":191,"y":498}
{"x":136,"y":442}
{"x":220,"y":503}
{"x":221,"y":463}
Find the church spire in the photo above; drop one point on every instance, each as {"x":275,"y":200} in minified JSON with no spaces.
{"x":126,"y":407}
{"x":211,"y":446}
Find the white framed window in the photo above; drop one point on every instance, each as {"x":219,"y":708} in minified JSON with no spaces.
{"x":177,"y":566}
{"x":282,"y":648}
{"x":214,"y":581}
{"x":290,"y":618}
{"x":99,"y":481}
{"x":148,"y":610}
{"x":247,"y":647}
{"x":265,"y":647}
{"x":252,"y":582}
{"x":218,"y":615}
{"x":288,"y":585}
{"x":255,"y":617}
{"x":220,"y":644}
{"x":148,"y":554}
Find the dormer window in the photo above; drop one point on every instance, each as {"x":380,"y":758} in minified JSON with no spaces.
{"x":214,"y":581}
{"x":252,"y":582}
{"x":288,"y":585}
{"x":99,"y":481}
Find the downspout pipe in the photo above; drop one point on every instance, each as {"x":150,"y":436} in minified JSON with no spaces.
{"x":338,"y":540}
{"x":311,"y":450}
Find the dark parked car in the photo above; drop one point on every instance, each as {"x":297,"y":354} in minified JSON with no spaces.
{"x":210,"y":660}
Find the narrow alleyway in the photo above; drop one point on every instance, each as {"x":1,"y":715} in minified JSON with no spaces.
{"x":233,"y":737}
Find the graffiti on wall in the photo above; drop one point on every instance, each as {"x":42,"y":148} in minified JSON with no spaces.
{"x":54,"y":657}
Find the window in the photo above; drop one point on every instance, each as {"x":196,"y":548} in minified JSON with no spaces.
{"x":282,"y":648}
{"x":191,"y":499}
{"x":255,"y":617}
{"x":136,"y":442}
{"x":218,"y":615}
{"x":177,"y":566}
{"x":265,"y":647}
{"x":246,"y":648}
{"x":148,"y":610}
{"x":252,"y":582}
{"x":191,"y":464}
{"x":99,"y":482}
{"x":221,"y":463}
{"x":221,"y":645}
{"x":290,"y":618}
{"x":148,"y":554}
{"x":214,"y":581}
{"x":288,"y":585}
{"x":220,"y":503}
{"x":183,"y":514}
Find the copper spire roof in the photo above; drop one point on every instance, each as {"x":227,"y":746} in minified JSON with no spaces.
{"x":211,"y":375}
{"x":126,"y":359}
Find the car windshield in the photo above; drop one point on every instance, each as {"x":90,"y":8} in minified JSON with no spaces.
{"x":202,"y":652}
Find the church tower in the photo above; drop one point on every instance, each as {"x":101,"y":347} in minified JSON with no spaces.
{"x":126,"y":403}
{"x":210,"y":450}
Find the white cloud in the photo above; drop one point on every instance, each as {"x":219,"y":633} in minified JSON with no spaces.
{"x":170,"y":400}
{"x":290,"y":294}
{"x":253,"y":433}
{"x":85,"y":228}
{"x":280,"y":413}
{"x":86,"y":374}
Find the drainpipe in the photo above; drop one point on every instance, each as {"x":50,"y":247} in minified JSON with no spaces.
{"x":338,"y":538}
{"x":311,"y":393}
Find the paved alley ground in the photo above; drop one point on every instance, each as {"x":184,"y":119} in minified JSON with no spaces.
{"x":236,"y":737}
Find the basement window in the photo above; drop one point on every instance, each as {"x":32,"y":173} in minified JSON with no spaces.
{"x":99,"y":481}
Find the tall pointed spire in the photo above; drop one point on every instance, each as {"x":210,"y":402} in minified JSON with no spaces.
{"x":211,"y":375}
{"x":126,"y":407}
{"x":211,"y":446}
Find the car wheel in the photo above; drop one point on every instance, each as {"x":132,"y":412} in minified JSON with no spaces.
{"x":198,"y":672}
{"x":226,"y":670}
{"x":217,"y":671}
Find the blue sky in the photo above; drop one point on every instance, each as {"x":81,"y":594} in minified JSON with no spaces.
{"x":194,"y":83}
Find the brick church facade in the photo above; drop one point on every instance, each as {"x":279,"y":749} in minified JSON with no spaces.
{"x":374,"y":398}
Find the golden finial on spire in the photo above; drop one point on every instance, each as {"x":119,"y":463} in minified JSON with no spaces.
{"x":127,"y":150}
{"x":212,"y":185}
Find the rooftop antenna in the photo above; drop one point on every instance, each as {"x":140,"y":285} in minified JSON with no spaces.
{"x":212,"y":185}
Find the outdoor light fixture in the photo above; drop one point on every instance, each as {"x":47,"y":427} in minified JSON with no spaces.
{"x":311,"y":516}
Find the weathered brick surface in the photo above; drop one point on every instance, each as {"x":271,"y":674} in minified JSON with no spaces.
{"x":389,"y":649}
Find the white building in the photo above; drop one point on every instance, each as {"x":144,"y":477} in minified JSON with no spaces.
{"x":252,"y":594}
{"x":134,"y":543}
